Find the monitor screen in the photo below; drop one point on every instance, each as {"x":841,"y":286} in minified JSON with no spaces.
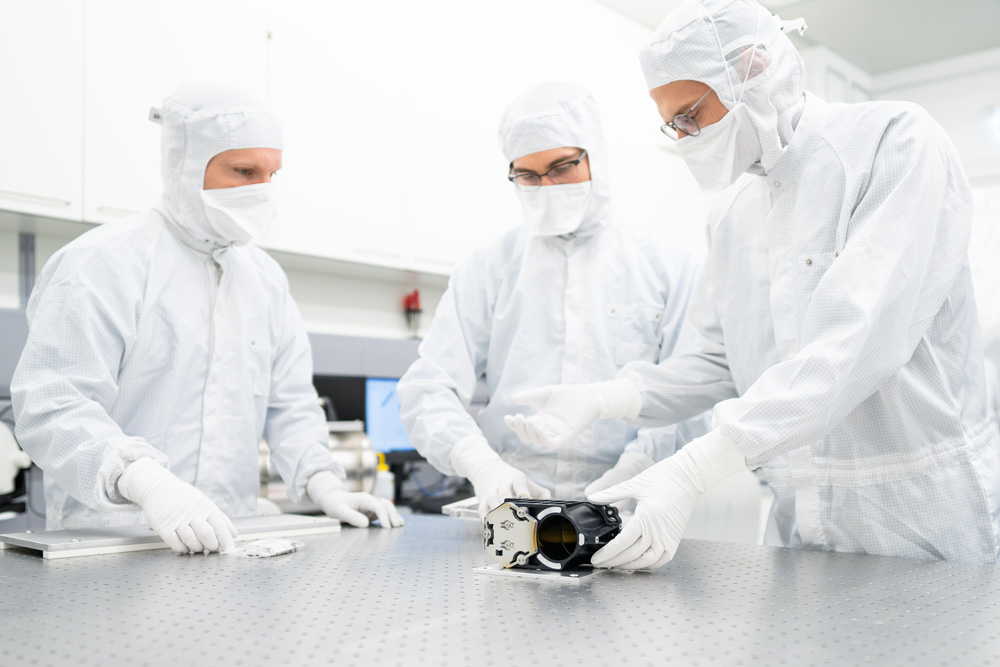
{"x":382,"y":421}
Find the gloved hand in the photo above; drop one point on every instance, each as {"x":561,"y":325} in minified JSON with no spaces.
{"x":666,"y":495}
{"x":629,"y":465}
{"x":564,"y":410}
{"x":186,"y":519}
{"x":491,"y":476}
{"x":358,"y":509}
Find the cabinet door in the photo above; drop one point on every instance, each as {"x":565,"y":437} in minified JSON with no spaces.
{"x":345,"y":160}
{"x":136,"y":54}
{"x":41,"y":79}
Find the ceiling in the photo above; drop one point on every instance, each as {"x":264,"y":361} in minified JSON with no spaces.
{"x":876,"y":35}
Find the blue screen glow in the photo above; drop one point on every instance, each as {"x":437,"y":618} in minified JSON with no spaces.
{"x":382,"y":421}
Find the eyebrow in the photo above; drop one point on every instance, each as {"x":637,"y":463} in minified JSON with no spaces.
{"x":250,"y":164}
{"x":686,"y":107}
{"x":565,"y":158}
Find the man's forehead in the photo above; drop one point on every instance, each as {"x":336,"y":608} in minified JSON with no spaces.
{"x":249,"y":155}
{"x":557,"y":153}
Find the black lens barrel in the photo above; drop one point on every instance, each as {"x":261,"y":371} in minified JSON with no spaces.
{"x":569,"y":532}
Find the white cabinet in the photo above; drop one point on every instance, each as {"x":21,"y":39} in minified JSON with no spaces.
{"x":458,"y":84}
{"x":137,"y":53}
{"x":41,"y":46}
{"x":390,"y":154}
{"x":342,"y":183}
{"x":458,"y":196}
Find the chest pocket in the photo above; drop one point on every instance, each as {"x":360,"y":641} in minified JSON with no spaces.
{"x":634,"y":327}
{"x":809,"y":270}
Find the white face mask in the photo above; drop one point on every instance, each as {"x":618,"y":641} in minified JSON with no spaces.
{"x":241,"y":213}
{"x":723,"y":151}
{"x":554,"y":210}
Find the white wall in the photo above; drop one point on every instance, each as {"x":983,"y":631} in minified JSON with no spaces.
{"x":358,"y":306}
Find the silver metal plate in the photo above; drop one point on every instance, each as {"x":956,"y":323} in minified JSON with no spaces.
{"x":510,"y":535}
{"x":409,"y":596}
{"x":568,"y":577}
{"x":97,"y":541}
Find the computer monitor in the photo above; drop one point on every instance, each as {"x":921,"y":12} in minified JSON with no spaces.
{"x":382,"y":421}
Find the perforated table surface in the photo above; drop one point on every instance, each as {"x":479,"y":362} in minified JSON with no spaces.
{"x":410,"y":597}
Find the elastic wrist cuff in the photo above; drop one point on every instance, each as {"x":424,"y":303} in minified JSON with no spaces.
{"x":470,"y":454}
{"x":141,"y":467}
{"x":620,"y":399}
{"x":322,"y":483}
{"x":717,"y":457}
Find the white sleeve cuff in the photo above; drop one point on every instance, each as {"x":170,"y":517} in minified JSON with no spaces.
{"x":717,"y":457}
{"x":471,"y":454}
{"x":323,"y":483}
{"x":619,"y":399}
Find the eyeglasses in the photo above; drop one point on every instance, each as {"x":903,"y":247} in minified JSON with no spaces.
{"x":564,"y":172}
{"x":684,"y":123}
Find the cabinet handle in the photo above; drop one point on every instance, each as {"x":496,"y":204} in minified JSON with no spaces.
{"x":390,"y":254}
{"x":35,"y":199}
{"x":114,"y":210}
{"x":432,"y":260}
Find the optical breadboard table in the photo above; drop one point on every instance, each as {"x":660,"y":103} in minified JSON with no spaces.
{"x":410,"y":596}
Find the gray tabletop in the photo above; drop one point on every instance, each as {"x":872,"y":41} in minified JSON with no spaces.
{"x":410,"y":597}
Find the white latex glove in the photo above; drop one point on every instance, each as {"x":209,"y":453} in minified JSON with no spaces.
{"x":358,"y":509}
{"x":491,"y":476}
{"x":666,"y":495}
{"x":629,"y":465}
{"x":186,"y":519}
{"x":564,"y":410}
